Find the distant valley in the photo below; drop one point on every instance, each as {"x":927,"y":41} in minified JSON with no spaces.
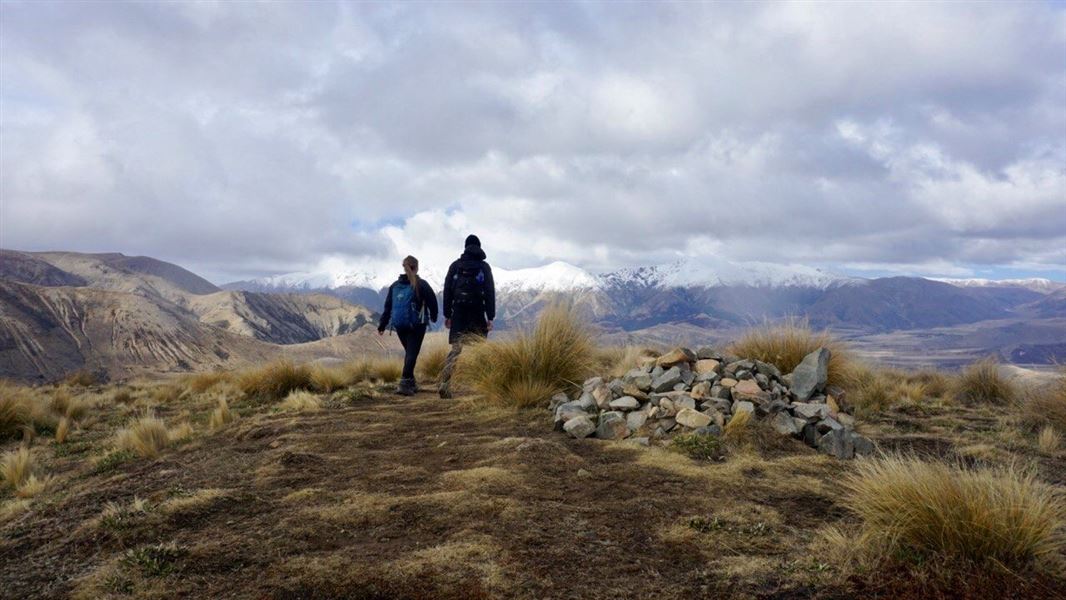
{"x":120,"y":315}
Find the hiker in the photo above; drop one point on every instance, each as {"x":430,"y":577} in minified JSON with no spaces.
{"x":409,"y":306}
{"x":469,"y":304}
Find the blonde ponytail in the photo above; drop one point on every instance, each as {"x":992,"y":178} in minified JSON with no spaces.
{"x":410,"y":266}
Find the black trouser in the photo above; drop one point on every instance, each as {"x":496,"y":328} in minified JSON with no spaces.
{"x":411,"y":339}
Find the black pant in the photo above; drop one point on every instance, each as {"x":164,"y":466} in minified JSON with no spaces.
{"x":411,"y":339}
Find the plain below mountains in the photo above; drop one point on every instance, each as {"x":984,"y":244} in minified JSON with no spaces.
{"x":118,"y":315}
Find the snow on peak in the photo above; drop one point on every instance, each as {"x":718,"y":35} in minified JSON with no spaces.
{"x":1036,"y":284}
{"x":693,"y":272}
{"x":553,"y":277}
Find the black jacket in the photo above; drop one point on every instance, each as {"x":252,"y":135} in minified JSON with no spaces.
{"x":472,"y":257}
{"x":426,"y":298}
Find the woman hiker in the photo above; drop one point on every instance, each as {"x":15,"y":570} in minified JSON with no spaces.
{"x":410,"y":306}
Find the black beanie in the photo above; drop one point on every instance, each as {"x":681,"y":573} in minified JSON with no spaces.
{"x":472,"y":240}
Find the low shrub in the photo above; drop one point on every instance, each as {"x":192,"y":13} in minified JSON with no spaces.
{"x":785,"y":344}
{"x":527,"y":368}
{"x":1045,"y":405}
{"x":919,"y":513}
{"x":981,"y":383}
{"x":698,"y":447}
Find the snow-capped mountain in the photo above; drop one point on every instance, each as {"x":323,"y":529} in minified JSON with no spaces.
{"x":704,"y":291}
{"x":1036,"y":284}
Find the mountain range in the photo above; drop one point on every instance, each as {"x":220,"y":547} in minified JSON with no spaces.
{"x":120,"y":315}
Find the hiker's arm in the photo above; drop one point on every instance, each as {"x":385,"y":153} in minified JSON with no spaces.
{"x":448,"y":292}
{"x":386,"y":313}
{"x":490,"y":294}
{"x":430,"y":299}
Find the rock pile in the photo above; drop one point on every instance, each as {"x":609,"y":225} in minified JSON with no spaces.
{"x":698,"y":392}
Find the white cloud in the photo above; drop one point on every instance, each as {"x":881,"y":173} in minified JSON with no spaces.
{"x":239,"y":140}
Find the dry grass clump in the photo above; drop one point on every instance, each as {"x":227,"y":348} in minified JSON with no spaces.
{"x":785,"y":344}
{"x":981,"y":383}
{"x":1048,"y":440}
{"x":382,"y":369}
{"x":738,"y":427}
{"x":300,"y":401}
{"x":202,"y":382}
{"x":147,"y":436}
{"x":526,"y":369}
{"x":14,"y":411}
{"x":616,"y":361}
{"x":63,"y":430}
{"x":63,"y":404}
{"x":222,"y":415}
{"x":83,"y":378}
{"x":329,"y":379}
{"x":928,"y":513}
{"x":1045,"y":405}
{"x":18,"y":472}
{"x":431,"y":361}
{"x":274,"y":381}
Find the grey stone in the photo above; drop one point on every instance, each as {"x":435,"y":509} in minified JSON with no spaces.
{"x":810,"y":435}
{"x":863,"y":445}
{"x":722,"y":405}
{"x":580,"y":426}
{"x":667,"y":380}
{"x":666,"y":407}
{"x":837,"y":443}
{"x":743,"y":374}
{"x":715,"y":416}
{"x":712,"y":430}
{"x":811,"y":374}
{"x":657,"y":371}
{"x":636,"y":419}
{"x":708,"y":377}
{"x":692,"y":419}
{"x":556,"y":400}
{"x":617,"y":387}
{"x":592,"y":383}
{"x":776,"y":406}
{"x":828,"y":424}
{"x":612,"y":426}
{"x":567,"y":411}
{"x":743,"y":406}
{"x":638,"y":441}
{"x":818,"y":399}
{"x":667,"y":424}
{"x":676,"y":357}
{"x":586,"y":401}
{"x":721,"y":393}
{"x":681,"y":387}
{"x":784,"y":424}
{"x":602,"y":395}
{"x":625,"y":403}
{"x":684,"y":401}
{"x":638,"y":378}
{"x":687,"y":377}
{"x":706,"y":352}
{"x":810,"y":411}
{"x":767,"y":369}
{"x":702,"y":390}
{"x":763,"y":381}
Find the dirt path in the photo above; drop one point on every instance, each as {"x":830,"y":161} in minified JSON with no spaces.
{"x":422,"y":498}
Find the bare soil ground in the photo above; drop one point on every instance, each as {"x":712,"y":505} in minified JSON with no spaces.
{"x":377,"y":496}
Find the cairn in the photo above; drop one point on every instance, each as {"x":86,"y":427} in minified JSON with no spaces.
{"x":698,"y":392}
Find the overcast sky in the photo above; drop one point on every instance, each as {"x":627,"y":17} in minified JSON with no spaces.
{"x":242,"y":139}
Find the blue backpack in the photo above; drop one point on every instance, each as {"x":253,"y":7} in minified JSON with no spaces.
{"x":405,"y":310}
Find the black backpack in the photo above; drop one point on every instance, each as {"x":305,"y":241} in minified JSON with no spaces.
{"x":469,"y":289}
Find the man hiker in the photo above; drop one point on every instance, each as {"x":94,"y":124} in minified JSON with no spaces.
{"x":469,"y":304}
{"x":409,"y":306}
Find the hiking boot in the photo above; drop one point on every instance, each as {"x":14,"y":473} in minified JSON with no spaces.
{"x":407,"y":387}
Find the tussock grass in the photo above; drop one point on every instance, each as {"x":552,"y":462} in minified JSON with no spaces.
{"x":738,"y":428}
{"x":16,"y":467}
{"x":147,"y":436}
{"x":222,"y":415}
{"x":64,"y":404}
{"x":83,"y":378}
{"x":275,"y":381}
{"x":300,"y":401}
{"x":202,"y":382}
{"x":616,"y":361}
{"x":981,"y":383}
{"x":383,"y":369}
{"x":526,"y":369}
{"x":785,"y":344}
{"x":929,"y":513}
{"x":329,"y":379}
{"x":63,"y":430}
{"x":14,"y":411}
{"x":431,"y":361}
{"x":1048,"y":440}
{"x":18,"y":471}
{"x":1045,"y":405}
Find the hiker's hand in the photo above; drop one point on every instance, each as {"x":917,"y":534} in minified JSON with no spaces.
{"x":488,"y":326}
{"x":448,"y":323}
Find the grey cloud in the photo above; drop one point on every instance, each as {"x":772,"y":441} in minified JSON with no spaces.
{"x":243,"y":140}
